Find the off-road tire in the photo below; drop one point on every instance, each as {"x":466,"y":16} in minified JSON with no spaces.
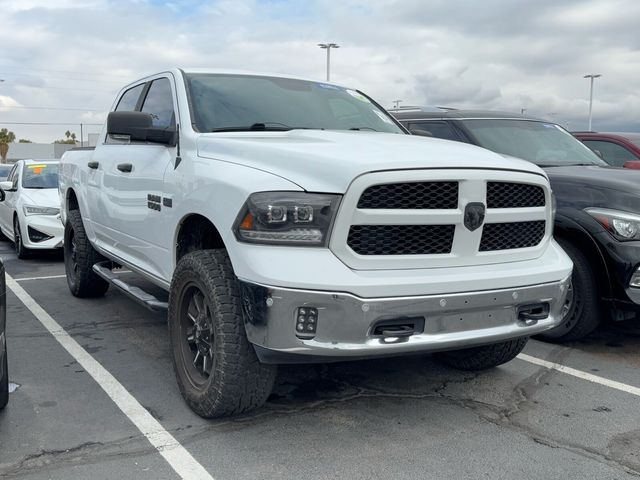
{"x":4,"y":384}
{"x":22,"y":252}
{"x":239,"y":382}
{"x":482,"y":358}
{"x":583,"y":316}
{"x":82,"y":280}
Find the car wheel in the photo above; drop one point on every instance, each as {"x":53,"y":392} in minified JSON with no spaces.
{"x":21,"y":251}
{"x":79,"y":259}
{"x":4,"y":383}
{"x":581,"y":312}
{"x":216,"y":367}
{"x":482,"y":358}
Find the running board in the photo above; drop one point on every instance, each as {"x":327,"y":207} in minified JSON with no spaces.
{"x":103,"y":270}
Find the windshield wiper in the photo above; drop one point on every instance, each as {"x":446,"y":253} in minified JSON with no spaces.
{"x":363,"y":128}
{"x":263,"y":127}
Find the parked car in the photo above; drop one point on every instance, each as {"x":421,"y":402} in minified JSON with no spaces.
{"x":598,"y":217}
{"x":30,"y":211}
{"x":617,"y":149}
{"x":4,"y":366}
{"x":294,"y":221}
{"x":5,"y":168}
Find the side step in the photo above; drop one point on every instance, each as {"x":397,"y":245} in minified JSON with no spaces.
{"x":103,"y":269}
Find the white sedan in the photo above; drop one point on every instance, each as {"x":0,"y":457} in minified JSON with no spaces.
{"x":30,"y":210}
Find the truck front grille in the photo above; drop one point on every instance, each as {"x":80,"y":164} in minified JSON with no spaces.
{"x":411,"y":195}
{"x":506,"y":236}
{"x":401,"y":239}
{"x":418,"y":218}
{"x":514,"y":195}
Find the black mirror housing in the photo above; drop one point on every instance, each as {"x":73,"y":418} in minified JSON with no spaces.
{"x":138,"y":126}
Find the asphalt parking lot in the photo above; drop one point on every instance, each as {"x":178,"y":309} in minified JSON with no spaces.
{"x":394,"y":418}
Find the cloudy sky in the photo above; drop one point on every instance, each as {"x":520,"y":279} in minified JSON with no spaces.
{"x":63,"y":61}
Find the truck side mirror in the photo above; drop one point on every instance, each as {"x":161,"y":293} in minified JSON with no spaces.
{"x":2,"y":195}
{"x":138,"y":127}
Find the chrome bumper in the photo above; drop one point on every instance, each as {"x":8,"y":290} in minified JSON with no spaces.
{"x":345,"y":324}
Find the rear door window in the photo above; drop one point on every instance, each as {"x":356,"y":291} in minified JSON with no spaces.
{"x":129,"y":99}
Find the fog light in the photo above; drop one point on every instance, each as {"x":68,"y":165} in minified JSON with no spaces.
{"x":306,"y":322}
{"x":37,"y":236}
{"x":635,"y":279}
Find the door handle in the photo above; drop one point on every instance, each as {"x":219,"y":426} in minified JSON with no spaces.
{"x":125,"y":167}
{"x":94,"y":165}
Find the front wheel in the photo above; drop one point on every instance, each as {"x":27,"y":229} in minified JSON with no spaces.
{"x":482,"y":358}
{"x":22,"y":252}
{"x":216,"y":367}
{"x":4,"y":383}
{"x":581,"y":312}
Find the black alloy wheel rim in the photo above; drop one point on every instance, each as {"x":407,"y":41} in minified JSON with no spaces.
{"x":196,"y":335}
{"x":73,"y":252}
{"x":568,"y":303}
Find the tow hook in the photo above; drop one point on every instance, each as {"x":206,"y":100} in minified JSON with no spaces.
{"x":531,"y":314}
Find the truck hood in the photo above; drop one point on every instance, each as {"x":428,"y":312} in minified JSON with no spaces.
{"x":329,"y":160}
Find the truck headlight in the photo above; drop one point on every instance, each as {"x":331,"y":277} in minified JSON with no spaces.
{"x":287,"y":218}
{"x":622,"y":225}
{"x":35,"y":210}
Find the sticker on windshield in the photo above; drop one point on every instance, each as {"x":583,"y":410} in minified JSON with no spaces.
{"x":328,"y":86}
{"x":383,"y":117}
{"x":357,"y":95}
{"x":37,"y":169}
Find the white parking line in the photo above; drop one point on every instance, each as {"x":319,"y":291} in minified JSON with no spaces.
{"x":173,"y":452}
{"x":623,"y":387}
{"x":39,"y":278}
{"x":25,"y":279}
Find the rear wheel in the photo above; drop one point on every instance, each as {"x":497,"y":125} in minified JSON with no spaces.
{"x":21,"y":251}
{"x":216,"y":367}
{"x":581,"y":312}
{"x":482,"y":358}
{"x":79,"y":259}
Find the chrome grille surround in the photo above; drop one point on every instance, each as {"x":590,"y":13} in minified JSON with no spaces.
{"x":465,"y":248}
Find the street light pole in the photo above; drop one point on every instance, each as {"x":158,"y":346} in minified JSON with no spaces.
{"x":591,"y":76}
{"x":328,"y":47}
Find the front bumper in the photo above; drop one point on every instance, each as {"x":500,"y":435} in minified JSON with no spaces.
{"x":346,"y":323}
{"x":49,"y":225}
{"x":623,"y":261}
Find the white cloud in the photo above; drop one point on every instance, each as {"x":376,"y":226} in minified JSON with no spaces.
{"x":497,"y":54}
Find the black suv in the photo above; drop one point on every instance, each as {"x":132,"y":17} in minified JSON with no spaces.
{"x":598,"y":207}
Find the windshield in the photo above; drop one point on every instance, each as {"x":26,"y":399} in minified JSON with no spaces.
{"x":40,"y":175}
{"x":247,"y":102}
{"x":544,"y":144}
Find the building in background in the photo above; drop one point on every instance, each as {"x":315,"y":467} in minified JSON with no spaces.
{"x":39,"y":151}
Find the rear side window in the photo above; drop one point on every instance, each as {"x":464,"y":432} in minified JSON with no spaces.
{"x":159,"y":103}
{"x":612,"y":153}
{"x":437,"y":129}
{"x":129,"y":99}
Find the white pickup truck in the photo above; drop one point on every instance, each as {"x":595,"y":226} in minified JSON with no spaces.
{"x":294,"y":221}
